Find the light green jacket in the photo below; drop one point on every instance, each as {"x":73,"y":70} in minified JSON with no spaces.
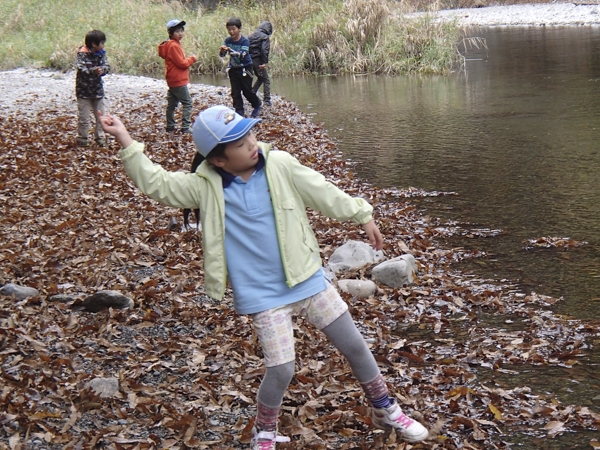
{"x":293,"y":187}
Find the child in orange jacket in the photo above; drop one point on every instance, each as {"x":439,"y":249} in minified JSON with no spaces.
{"x":176,"y":73}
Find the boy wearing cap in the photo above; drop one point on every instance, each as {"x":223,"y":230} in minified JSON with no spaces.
{"x":256,"y":234}
{"x":176,"y":73}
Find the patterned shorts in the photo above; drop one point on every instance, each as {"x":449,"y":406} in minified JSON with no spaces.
{"x":275,"y":329}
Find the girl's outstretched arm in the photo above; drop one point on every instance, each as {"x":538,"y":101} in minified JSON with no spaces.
{"x":113,"y":126}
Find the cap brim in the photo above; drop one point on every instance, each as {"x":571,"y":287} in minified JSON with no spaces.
{"x":240,"y":130}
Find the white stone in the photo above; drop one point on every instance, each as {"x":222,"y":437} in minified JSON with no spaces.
{"x":19,"y":292}
{"x":104,"y":387}
{"x":358,"y":288}
{"x":396,"y":272}
{"x":352,"y":255}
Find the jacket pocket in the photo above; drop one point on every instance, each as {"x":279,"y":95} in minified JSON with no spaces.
{"x":288,"y":204}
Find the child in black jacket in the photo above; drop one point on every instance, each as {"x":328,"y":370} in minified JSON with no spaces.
{"x":260,"y":47}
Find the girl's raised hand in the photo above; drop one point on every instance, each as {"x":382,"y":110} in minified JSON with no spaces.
{"x":113,"y":126}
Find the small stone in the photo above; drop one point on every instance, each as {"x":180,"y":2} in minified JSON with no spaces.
{"x":358,"y":288}
{"x":18,"y":292}
{"x":104,"y":387}
{"x":107,"y":299}
{"x":352,"y":255}
{"x":396,"y":272}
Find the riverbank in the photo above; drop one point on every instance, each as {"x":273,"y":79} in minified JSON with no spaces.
{"x":539,"y":14}
{"x":74,"y":224}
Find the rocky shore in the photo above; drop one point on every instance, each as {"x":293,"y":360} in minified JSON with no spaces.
{"x":583,"y":13}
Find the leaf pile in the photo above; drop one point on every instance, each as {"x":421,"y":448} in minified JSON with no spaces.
{"x":187,"y":367}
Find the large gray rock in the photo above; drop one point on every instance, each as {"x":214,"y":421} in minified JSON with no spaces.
{"x":352,"y":255}
{"x":19,"y":292}
{"x":358,"y":288}
{"x":396,"y":272}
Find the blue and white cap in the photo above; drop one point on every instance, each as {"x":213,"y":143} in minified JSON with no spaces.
{"x":174,"y":23}
{"x":219,"y":125}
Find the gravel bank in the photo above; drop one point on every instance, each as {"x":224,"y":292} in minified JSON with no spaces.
{"x":553,"y":14}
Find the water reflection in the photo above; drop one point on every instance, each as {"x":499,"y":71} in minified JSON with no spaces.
{"x":516,"y":136}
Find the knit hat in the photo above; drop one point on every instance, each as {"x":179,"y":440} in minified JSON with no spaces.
{"x":219,"y":125}
{"x":174,"y":23}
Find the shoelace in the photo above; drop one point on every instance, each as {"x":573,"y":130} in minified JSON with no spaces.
{"x":403,"y":420}
{"x":268,"y":437}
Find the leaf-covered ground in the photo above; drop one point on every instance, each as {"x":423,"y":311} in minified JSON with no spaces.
{"x":188,"y":367}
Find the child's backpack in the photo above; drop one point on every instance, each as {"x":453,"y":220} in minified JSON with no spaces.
{"x":255,"y":44}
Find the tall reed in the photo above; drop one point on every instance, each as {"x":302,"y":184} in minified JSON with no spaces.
{"x":332,"y":36}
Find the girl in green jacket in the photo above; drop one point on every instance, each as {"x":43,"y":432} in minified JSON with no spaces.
{"x":256,"y":235}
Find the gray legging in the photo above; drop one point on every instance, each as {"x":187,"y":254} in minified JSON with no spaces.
{"x":344,"y":335}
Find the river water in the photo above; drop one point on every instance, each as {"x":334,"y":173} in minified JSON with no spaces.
{"x":515,"y":136}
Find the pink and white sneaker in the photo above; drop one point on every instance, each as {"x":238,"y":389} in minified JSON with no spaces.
{"x":265,"y":440}
{"x":392,"y":417}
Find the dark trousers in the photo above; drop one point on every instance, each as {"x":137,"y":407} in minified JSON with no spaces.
{"x":242,"y":84}
{"x":262,"y":78}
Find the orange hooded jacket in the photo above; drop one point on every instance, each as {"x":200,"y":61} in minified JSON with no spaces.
{"x":176,"y":64}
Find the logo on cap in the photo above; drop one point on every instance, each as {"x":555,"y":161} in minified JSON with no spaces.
{"x":228,"y":117}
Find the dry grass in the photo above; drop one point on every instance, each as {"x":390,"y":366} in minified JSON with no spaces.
{"x":333,"y":37}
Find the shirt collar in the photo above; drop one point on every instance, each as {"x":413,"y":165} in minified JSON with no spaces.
{"x":227,"y":178}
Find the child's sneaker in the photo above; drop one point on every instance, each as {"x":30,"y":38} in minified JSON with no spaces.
{"x":265,"y":440}
{"x":256,"y":111}
{"x":82,"y":142}
{"x":101,"y":142}
{"x":392,"y":417}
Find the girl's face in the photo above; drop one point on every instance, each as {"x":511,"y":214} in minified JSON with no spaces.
{"x":234,"y":32}
{"x":241,"y":157}
{"x":177,"y":35}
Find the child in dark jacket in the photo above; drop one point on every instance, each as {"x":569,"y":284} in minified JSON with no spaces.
{"x":260,"y":47}
{"x":92,"y":65}
{"x":177,"y":75}
{"x":239,"y":69}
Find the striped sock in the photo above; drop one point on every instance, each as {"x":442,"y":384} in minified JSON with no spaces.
{"x":377,"y":392}
{"x":266,"y":418}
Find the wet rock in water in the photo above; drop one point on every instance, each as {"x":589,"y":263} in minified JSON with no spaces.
{"x":18,"y":292}
{"x":396,"y":272}
{"x":352,"y":255}
{"x":358,"y":288}
{"x":106,"y":299}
